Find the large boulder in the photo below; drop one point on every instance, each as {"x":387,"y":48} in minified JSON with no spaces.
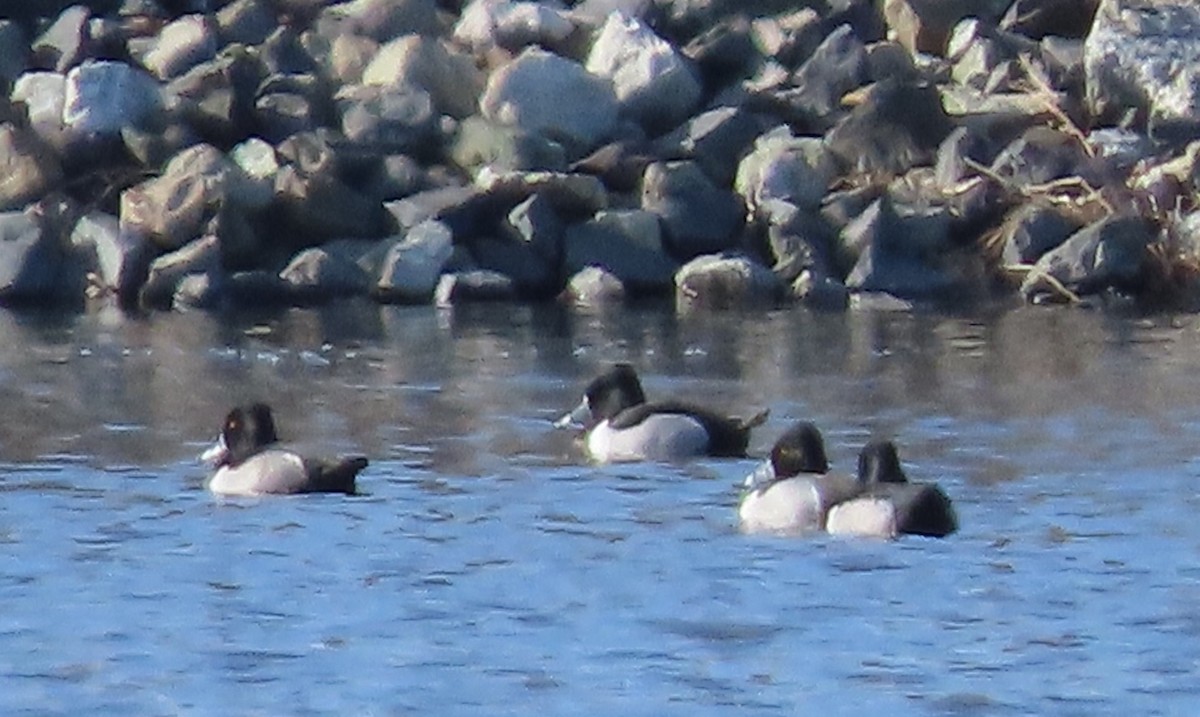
{"x":625,"y":243}
{"x":721,"y":281}
{"x":1145,"y":56}
{"x":485,"y":24}
{"x":28,"y":167}
{"x":557,"y":97}
{"x":654,"y":84}
{"x":415,"y":61}
{"x":410,"y":267}
{"x":1111,"y":254}
{"x":698,"y":217}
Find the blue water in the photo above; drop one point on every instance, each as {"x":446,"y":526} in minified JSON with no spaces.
{"x":487,"y":569}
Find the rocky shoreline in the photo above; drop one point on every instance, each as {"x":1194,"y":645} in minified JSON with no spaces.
{"x":215,"y":153}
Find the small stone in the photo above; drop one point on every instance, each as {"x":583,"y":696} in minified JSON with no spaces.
{"x":593,"y":285}
{"x":474,"y":286}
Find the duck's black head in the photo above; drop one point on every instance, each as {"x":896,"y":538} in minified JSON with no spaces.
{"x":800,"y":449}
{"x":878,"y":462}
{"x":614,"y":391}
{"x":247,"y":430}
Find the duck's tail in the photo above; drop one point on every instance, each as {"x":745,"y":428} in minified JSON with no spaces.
{"x":754,"y":421}
{"x":338,"y":476}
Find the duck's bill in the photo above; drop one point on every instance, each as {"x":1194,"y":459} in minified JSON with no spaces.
{"x":760,"y":477}
{"x":576,"y":417}
{"x":216,"y":453}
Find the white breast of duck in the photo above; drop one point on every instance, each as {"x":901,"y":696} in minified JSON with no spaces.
{"x":659,"y":437}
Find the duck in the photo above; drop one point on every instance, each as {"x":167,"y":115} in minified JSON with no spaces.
{"x":249,"y":460}
{"x":889,"y":504}
{"x":792,"y":491}
{"x":621,"y":426}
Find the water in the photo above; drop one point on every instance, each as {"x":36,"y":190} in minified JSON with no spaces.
{"x":487,"y":570}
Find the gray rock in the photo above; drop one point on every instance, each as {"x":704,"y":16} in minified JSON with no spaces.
{"x":284,"y":53}
{"x":925,"y":25}
{"x":381,"y":20}
{"x":259,"y":165}
{"x":1040,"y":155}
{"x":217,"y":97}
{"x":837,"y":66}
{"x":43,"y":95}
{"x":290,"y":104}
{"x":450,"y":78}
{"x":479,"y":285}
{"x":201,"y":256}
{"x":1107,"y":255}
{"x":101,"y":98}
{"x":979,"y":57}
{"x":820,"y":291}
{"x":725,"y":52}
{"x":538,"y":224}
{"x":789,"y":38}
{"x":198,"y":291}
{"x":698,"y":218}
{"x":323,"y":273}
{"x":248,"y":22}
{"x":315,"y":208}
{"x":481,"y":143}
{"x":256,"y":288}
{"x":625,"y":243}
{"x":554,"y":96}
{"x":349,"y":56}
{"x":1030,"y":231}
{"x":468,"y":211}
{"x":1042,"y":18}
{"x":64,"y":42}
{"x":572,"y":195}
{"x":28,"y":167}
{"x":31,"y":258}
{"x":485,"y":24}
{"x":910,"y":255}
{"x":725,"y":281}
{"x":1120,"y":148}
{"x":890,"y":61}
{"x":14,"y":52}
{"x":785,"y":174}
{"x":593,"y":285}
{"x":1145,"y":58}
{"x":526,"y":271}
{"x":898,"y":126}
{"x":388,"y":121}
{"x":154,"y":146}
{"x":717,"y":140}
{"x":803,"y":243}
{"x":619,"y":165}
{"x":397,"y":176}
{"x":171,"y":210}
{"x":410,"y":268}
{"x":654,"y":84}
{"x":116,"y":261}
{"x":180,"y":46}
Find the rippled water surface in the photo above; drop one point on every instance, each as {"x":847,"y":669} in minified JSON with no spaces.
{"x":487,"y":569}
